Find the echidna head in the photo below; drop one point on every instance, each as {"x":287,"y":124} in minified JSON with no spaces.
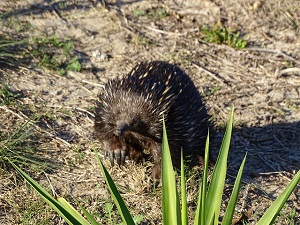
{"x":120,"y":113}
{"x":126,"y":125}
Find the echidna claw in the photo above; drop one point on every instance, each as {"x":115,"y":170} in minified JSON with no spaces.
{"x":118,"y":157}
{"x":111,"y":158}
{"x":123,"y":156}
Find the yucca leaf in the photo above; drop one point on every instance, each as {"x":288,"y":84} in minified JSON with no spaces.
{"x":89,"y":216}
{"x":227,"y":219}
{"x":184,"y":215}
{"x":67,"y":206}
{"x":271,"y":214}
{"x":65,"y":213}
{"x":126,"y":217}
{"x":170,"y":198}
{"x":215,"y":190}
{"x":200,"y":211}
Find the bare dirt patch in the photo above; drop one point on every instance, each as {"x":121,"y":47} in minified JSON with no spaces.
{"x":262,"y":81}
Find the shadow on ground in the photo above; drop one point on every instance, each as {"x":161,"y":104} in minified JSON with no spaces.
{"x":271,"y":149}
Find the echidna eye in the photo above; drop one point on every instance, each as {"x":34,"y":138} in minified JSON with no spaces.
{"x":111,"y":124}
{"x":138,"y":124}
{"x":133,"y":123}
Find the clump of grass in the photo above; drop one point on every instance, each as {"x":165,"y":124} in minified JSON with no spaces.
{"x":221,"y":35}
{"x":153,"y":14}
{"x":140,"y":40}
{"x":50,"y":52}
{"x":7,"y":96}
{"x":292,"y":21}
{"x":54,"y":54}
{"x":14,"y":22}
{"x":10,"y":51}
{"x":107,"y":214}
{"x":28,"y":210}
{"x":18,"y":145}
{"x":144,"y":41}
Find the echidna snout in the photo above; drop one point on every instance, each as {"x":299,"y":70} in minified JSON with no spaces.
{"x":121,"y":128}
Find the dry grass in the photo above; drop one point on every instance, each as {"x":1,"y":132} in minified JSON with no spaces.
{"x":262,"y":81}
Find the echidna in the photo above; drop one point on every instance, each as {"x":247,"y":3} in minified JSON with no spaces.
{"x":129,"y":111}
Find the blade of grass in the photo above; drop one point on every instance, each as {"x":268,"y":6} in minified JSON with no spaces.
{"x":184,"y":215}
{"x":170,"y":199}
{"x":57,"y":206}
{"x":271,"y":214}
{"x":215,"y":191}
{"x":67,"y":206}
{"x":126,"y":217}
{"x":200,"y":212}
{"x":227,"y":219}
{"x":88,"y":216}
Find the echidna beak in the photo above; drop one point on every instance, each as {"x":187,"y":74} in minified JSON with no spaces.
{"x":122,"y":127}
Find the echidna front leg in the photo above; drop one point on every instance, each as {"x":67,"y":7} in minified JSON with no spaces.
{"x":115,"y":149}
{"x":117,"y":154}
{"x":156,"y":154}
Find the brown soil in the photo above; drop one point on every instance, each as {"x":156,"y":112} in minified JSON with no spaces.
{"x":262,"y":81}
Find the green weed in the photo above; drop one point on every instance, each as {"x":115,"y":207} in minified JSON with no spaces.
{"x":140,"y":40}
{"x":28,"y":210}
{"x":139,"y":12}
{"x":78,"y":156}
{"x":221,"y":35}
{"x":7,"y":96}
{"x":54,"y":54}
{"x":15,"y":23}
{"x":11,"y":51}
{"x":110,"y":215}
{"x":153,"y":14}
{"x":18,"y":145}
{"x":292,"y":21}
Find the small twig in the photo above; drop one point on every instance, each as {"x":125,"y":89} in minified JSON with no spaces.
{"x":92,"y":83}
{"x":192,"y":12}
{"x":267,"y":162}
{"x":288,"y":70}
{"x":165,"y":32}
{"x":221,"y":80}
{"x":57,"y":14}
{"x":275,"y":51}
{"x":279,"y":173}
{"x":52,"y":189}
{"x":85,"y":111}
{"x":269,"y":173}
{"x":82,"y":110}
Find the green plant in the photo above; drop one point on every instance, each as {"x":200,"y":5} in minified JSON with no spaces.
{"x":110,"y":215}
{"x":221,"y":35}
{"x":78,"y":156}
{"x":142,"y":40}
{"x":154,"y":14}
{"x":11,"y":51}
{"x":30,"y":210}
{"x":291,"y":20}
{"x":210,"y":196}
{"x":54,"y":54}
{"x":18,"y":145}
{"x":139,"y":12}
{"x":7,"y":96}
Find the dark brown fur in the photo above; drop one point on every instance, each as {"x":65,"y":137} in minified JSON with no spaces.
{"x":128,"y":118}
